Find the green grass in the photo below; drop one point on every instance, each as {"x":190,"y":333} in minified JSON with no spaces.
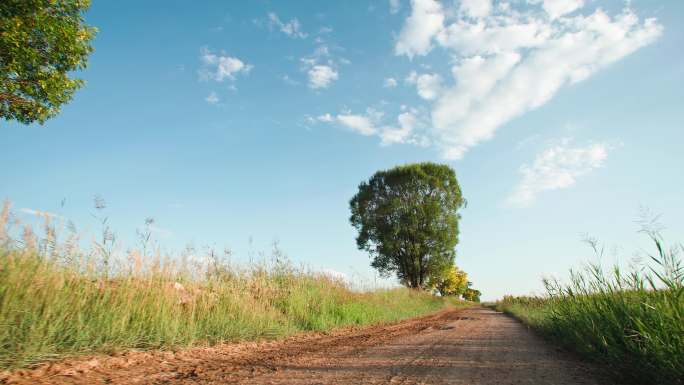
{"x":48,"y":310}
{"x":58,"y":299}
{"x":631,"y":322}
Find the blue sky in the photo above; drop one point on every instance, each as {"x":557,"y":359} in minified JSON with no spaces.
{"x":230,"y":122}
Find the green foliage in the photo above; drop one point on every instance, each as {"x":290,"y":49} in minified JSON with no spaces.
{"x":632,"y":322}
{"x":453,"y":281}
{"x":407,"y":219}
{"x":471,"y":295}
{"x":41,"y":41}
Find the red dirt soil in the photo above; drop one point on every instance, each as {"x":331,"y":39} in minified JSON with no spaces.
{"x":470,"y":346}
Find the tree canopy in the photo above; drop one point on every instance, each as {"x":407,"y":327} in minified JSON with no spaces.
{"x":41,"y":42}
{"x":472,"y":295}
{"x":407,"y":219}
{"x":453,"y":281}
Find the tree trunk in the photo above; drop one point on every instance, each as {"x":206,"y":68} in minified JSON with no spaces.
{"x":419,"y":278}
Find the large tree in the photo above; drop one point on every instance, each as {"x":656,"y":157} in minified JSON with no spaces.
{"x":41,"y":42}
{"x":407,"y":219}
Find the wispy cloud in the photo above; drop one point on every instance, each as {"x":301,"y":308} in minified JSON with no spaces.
{"x":390,"y":83}
{"x":557,"y":8}
{"x":557,"y":167}
{"x":212,"y":98}
{"x":325,"y":118}
{"x":362,"y":124}
{"x":428,"y":86}
{"x":374,"y":123}
{"x":221,"y":67}
{"x":320,"y":68}
{"x":292,"y":28}
{"x":39,"y":213}
{"x":394,"y":6}
{"x":420,"y":28}
{"x":321,"y":75}
{"x":507,"y":59}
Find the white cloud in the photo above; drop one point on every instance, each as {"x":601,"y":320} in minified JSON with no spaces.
{"x":39,"y":213}
{"x":492,"y":35}
{"x":320,"y":52}
{"x":358,"y":123}
{"x":371,"y":124}
{"x":476,"y":8}
{"x":159,"y":231}
{"x":212,"y":98}
{"x":407,"y":123}
{"x":390,"y":83}
{"x":394,"y":6}
{"x":557,"y":8}
{"x":220,"y":67}
{"x":452,"y":113}
{"x":320,"y":68}
{"x":557,"y":167}
{"x":426,"y":20}
{"x":320,"y":76}
{"x":429,"y":86}
{"x":325,"y":118}
{"x":508,"y":61}
{"x":292,"y":28}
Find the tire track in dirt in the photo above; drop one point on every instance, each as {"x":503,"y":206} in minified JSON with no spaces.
{"x":479,"y":347}
{"x":470,"y":346}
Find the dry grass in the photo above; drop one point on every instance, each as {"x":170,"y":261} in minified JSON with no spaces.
{"x":58,"y":299}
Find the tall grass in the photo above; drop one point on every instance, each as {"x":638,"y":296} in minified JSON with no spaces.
{"x":56,"y":299}
{"x":632,"y":321}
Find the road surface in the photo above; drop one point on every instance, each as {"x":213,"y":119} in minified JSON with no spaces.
{"x":470,"y":347}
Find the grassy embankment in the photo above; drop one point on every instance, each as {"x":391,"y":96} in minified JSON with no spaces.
{"x":631,"y":322}
{"x":56,"y":300}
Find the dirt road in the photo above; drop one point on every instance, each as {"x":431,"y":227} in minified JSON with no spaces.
{"x":472,"y":346}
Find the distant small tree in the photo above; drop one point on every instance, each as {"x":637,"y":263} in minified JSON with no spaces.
{"x":453,"y":281}
{"x":407,"y":219}
{"x":471,"y":294}
{"x":41,"y":41}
